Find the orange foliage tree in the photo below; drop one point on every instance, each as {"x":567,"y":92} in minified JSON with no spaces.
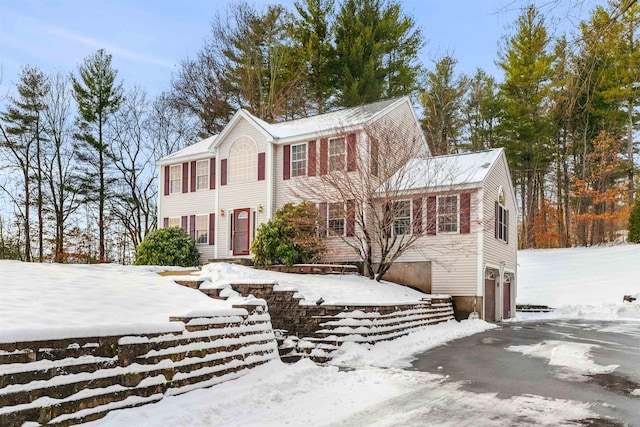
{"x":601,"y":195}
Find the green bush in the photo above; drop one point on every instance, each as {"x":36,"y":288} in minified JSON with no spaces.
{"x":290,"y":237}
{"x":634,"y":221}
{"x":168,"y":246}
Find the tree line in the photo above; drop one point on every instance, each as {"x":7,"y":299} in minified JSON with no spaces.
{"x":78,"y":150}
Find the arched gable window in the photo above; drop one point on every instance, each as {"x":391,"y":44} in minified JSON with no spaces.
{"x":243,"y":160}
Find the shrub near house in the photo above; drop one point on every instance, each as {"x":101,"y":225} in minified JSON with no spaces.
{"x":290,"y":237}
{"x":167,"y":246}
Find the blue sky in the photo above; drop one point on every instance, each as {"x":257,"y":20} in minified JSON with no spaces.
{"x":149,"y":38}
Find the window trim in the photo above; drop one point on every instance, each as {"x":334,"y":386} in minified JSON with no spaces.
{"x":332,"y":164}
{"x":176,"y":219}
{"x":503,"y":230}
{"x":206,"y":230}
{"x":440,"y":215}
{"x":305,"y":160}
{"x":206,"y":175}
{"x":178,"y":180}
{"x":343,"y":219}
{"x":409,"y":226}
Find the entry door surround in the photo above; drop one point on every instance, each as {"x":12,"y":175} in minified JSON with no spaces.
{"x":241,"y":228}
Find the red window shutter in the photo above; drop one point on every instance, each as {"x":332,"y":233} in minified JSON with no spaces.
{"x":375,"y":165}
{"x":311,"y":167}
{"x":165,"y":222}
{"x":497,"y":219}
{"x":431,"y":215}
{"x":322,"y":207}
{"x":185,"y":177}
{"x":351,"y":152}
{"x":223,"y":172}
{"x":261,"y":165}
{"x":212,"y":228}
{"x":286,"y":162}
{"x":166,"y":180}
{"x":351,"y":218}
{"x":192,"y":228}
{"x":324,"y":156}
{"x":465,"y":213}
{"x":183,"y":223}
{"x":193,"y":176}
{"x":212,"y":174}
{"x":417,"y":216}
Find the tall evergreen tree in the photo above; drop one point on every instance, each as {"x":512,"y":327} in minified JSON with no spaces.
{"x":314,"y":36}
{"x":480,"y":111}
{"x":525,"y":126}
{"x":22,"y":141}
{"x":98,"y":97}
{"x":441,"y":100}
{"x":376,"y":51}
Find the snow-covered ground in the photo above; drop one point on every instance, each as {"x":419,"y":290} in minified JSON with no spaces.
{"x":374,"y":389}
{"x":580,"y":282}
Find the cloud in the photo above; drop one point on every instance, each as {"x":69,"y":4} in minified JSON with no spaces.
{"x":110,"y":48}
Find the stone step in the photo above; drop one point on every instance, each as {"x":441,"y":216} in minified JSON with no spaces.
{"x":45,"y":400}
{"x":22,"y":373}
{"x":213,"y":293}
{"x":17,"y":356}
{"x":46,"y":408}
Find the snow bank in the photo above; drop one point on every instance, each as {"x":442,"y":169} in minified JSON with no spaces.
{"x":66,"y":301}
{"x":334,"y":289}
{"x":581,"y":282}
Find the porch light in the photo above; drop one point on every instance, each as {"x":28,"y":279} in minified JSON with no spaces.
{"x":221,"y":213}
{"x":259,"y":208}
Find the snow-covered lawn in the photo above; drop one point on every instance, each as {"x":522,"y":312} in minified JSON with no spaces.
{"x":581,"y":282}
{"x":40,"y":299}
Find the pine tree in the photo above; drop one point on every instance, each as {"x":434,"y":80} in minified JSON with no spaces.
{"x":23,"y":139}
{"x":376,"y":51}
{"x":525,"y":122}
{"x":98,"y":97}
{"x":634,"y":221}
{"x":442,"y":102}
{"x":312,"y":32}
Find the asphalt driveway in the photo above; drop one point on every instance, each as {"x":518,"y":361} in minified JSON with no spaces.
{"x":593,"y":362}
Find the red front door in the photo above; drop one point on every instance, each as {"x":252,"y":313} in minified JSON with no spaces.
{"x":241,"y":231}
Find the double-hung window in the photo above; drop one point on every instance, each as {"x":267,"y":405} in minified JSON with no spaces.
{"x":336,"y":219}
{"x":448,"y":214}
{"x":299,"y":160}
{"x":502,"y":223}
{"x":175,"y":178}
{"x":402,"y":217}
{"x":337,"y":155}
{"x":202,"y":229}
{"x":202,"y":175}
{"x":174,"y":222}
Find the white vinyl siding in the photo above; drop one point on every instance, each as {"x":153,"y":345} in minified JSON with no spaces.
{"x":241,"y":195}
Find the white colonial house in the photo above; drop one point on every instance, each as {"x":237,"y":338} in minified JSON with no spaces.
{"x":461,"y":207}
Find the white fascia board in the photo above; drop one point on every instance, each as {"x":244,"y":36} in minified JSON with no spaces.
{"x":236,"y":117}
{"x":326,"y":133}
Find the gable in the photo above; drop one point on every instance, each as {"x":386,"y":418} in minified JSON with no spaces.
{"x":236,"y":130}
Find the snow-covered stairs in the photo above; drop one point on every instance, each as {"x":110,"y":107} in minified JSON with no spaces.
{"x":65,"y":382}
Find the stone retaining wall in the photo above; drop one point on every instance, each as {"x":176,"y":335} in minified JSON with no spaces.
{"x":69,"y":381}
{"x":314,"y":327}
